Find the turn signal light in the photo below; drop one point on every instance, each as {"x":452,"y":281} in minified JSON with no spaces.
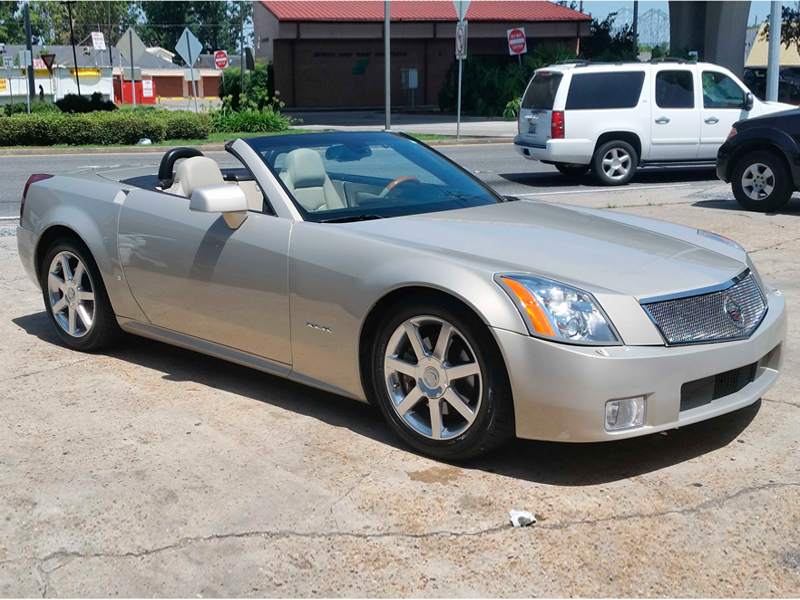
{"x":32,"y":179}
{"x":532,"y":308}
{"x":732,"y":133}
{"x":557,"y":125}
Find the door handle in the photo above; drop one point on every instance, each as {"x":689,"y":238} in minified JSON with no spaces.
{"x":712,"y":120}
{"x":662,"y":120}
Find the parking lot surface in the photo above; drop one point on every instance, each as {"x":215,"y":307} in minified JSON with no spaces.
{"x":154,"y":471}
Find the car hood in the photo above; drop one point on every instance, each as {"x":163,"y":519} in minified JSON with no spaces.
{"x":772,"y":107}
{"x":598,"y":251}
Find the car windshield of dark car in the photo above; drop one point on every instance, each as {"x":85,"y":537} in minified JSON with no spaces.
{"x":353,"y":176}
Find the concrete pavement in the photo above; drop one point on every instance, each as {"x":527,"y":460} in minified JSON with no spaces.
{"x":154,"y":471}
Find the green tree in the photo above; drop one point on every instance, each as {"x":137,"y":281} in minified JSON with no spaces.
{"x":604,"y":44}
{"x":12,"y":30}
{"x":790,"y":27}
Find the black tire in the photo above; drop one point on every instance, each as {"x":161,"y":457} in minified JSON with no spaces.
{"x":104,"y":330}
{"x":572,"y":170}
{"x":600,"y":154}
{"x":781,"y":180}
{"x":494,"y":420}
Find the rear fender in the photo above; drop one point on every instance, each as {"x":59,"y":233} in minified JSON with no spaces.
{"x":90,"y":210}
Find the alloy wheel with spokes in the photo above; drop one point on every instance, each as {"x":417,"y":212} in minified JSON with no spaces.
{"x":616,"y":163}
{"x":433,"y":377}
{"x":758,"y":181}
{"x":71,"y":294}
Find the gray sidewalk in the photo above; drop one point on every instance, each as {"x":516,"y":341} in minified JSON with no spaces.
{"x":430,"y":123}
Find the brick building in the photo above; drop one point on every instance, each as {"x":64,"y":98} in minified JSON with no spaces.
{"x":330,"y":54}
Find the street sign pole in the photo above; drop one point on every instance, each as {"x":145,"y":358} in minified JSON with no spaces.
{"x":458,"y":117}
{"x":133,"y":71}
{"x":387,"y":63}
{"x":461,"y":7}
{"x":194,"y":87}
{"x":774,"y":54}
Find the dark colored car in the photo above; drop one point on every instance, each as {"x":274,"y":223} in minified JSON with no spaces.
{"x":755,"y":78}
{"x":761,"y":160}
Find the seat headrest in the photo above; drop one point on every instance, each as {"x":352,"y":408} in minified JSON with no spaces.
{"x":305,"y":168}
{"x":198,"y":172}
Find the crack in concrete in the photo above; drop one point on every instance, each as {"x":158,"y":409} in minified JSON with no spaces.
{"x":70,"y":556}
{"x":774,"y":246}
{"x":795,"y":404}
{"x":21,"y":375}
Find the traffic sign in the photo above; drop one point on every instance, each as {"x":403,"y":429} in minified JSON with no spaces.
{"x":517,"y":43}
{"x":8,"y":61}
{"x":461,"y":40}
{"x":461,"y":8}
{"x":24,"y":58}
{"x":189,"y":47}
{"x":98,"y":41}
{"x":131,"y":46}
{"x":48,"y":59}
{"x":221,"y":59}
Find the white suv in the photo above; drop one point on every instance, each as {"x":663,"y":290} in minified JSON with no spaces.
{"x":614,"y":118}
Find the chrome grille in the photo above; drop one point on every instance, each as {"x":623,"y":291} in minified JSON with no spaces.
{"x":710,"y":317}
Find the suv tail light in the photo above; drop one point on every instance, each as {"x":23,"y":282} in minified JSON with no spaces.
{"x":557,"y":125}
{"x":32,"y":179}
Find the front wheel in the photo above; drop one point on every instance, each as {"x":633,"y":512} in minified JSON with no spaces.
{"x":440,"y":381}
{"x":75,"y":298}
{"x":761,"y":182}
{"x":615,"y":162}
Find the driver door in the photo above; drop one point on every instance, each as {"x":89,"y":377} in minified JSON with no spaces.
{"x":192,"y":274}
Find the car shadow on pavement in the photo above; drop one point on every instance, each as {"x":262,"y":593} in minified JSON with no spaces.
{"x":551,"y":463}
{"x":647,"y":176}
{"x":791,"y":209}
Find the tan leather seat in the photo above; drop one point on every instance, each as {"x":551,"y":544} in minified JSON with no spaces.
{"x":305,"y":177}
{"x":195,"y":173}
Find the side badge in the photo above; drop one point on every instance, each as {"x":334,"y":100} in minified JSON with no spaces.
{"x":319,"y":327}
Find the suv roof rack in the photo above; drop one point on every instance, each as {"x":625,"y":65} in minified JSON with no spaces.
{"x":669,"y":59}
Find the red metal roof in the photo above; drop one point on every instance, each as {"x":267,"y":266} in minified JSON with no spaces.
{"x":418,"y":10}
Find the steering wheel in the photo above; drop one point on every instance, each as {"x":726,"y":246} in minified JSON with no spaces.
{"x":396,"y":182}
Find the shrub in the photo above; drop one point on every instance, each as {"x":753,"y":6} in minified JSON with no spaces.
{"x":101,"y":128}
{"x":37,"y":107}
{"x":259,"y":85}
{"x":183,"y":125}
{"x":250,"y":120}
{"x":72,"y":103}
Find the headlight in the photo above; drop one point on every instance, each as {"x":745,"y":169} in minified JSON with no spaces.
{"x":557,"y":311}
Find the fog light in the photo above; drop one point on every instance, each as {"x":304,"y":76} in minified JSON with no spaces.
{"x":625,"y":413}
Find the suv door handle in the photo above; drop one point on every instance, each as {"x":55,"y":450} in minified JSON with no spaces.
{"x":662,"y":120}
{"x":712,"y":120}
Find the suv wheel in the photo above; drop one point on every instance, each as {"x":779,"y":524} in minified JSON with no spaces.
{"x":572,"y":170}
{"x":761,"y":181}
{"x":615,"y":162}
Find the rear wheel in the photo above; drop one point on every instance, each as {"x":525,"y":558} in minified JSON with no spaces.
{"x":572,"y":170}
{"x":761,"y":182}
{"x":615,"y":162}
{"x":440,"y":381}
{"x":75,"y":298}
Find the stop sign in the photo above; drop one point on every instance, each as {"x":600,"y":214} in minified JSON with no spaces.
{"x":516,"y":41}
{"x":221,"y":59}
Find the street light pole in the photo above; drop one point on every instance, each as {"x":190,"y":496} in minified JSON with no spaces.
{"x":72,"y":41}
{"x":636,"y":28}
{"x":387,"y":61}
{"x":29,"y":46}
{"x":773,"y":63}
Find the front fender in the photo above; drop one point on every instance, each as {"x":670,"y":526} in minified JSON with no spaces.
{"x":91,"y":211}
{"x":751,"y":139}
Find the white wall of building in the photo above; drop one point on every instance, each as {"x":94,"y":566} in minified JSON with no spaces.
{"x":55,"y":86}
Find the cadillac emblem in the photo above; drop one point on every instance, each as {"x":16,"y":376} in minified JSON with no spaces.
{"x":734,"y":312}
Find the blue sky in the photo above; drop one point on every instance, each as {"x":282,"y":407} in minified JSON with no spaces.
{"x":601,"y":8}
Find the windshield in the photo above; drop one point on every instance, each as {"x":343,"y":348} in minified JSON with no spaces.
{"x":351,"y":176}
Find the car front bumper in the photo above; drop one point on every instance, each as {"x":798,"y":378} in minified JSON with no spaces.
{"x":570,"y":151}
{"x":723,"y":155}
{"x":560,"y":390}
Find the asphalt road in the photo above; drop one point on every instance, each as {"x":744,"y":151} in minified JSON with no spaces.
{"x":497,"y":164}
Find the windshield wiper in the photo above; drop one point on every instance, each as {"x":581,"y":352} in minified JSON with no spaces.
{"x":352,"y":219}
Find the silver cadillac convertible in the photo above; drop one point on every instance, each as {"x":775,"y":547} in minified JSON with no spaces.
{"x":371,"y":266}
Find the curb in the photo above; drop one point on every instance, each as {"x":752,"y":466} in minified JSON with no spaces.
{"x":45,"y":151}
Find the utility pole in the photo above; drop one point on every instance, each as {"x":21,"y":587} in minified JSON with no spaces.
{"x":241,"y":46}
{"x":387,"y":61}
{"x":29,"y":45}
{"x":636,"y":28}
{"x":72,"y":41}
{"x":773,"y":63}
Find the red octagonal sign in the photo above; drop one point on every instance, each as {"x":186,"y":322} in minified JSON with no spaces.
{"x":221,"y":59}
{"x":516,"y":41}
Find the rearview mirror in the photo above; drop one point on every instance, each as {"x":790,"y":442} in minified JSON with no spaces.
{"x":226,"y":199}
{"x":347,"y":152}
{"x":749,"y":100}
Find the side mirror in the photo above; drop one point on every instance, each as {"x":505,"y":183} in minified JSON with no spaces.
{"x":749,"y":100}
{"x":226,"y":199}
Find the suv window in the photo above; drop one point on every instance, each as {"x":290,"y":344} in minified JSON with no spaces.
{"x":589,"y":91}
{"x":675,"y":89}
{"x":720,"y":91}
{"x":542,"y":91}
